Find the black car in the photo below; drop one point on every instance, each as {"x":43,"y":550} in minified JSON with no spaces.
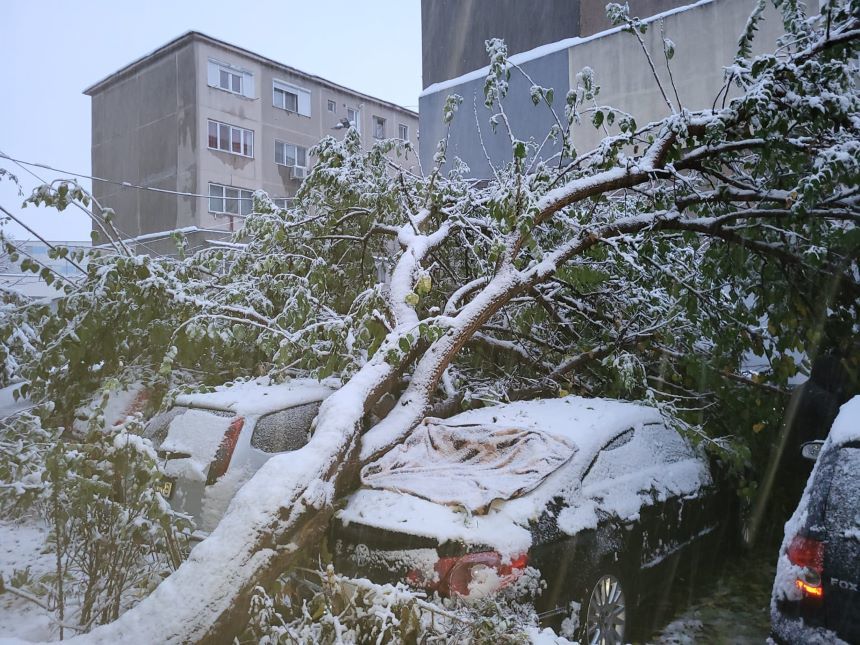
{"x":816,"y":594}
{"x":599,"y":498}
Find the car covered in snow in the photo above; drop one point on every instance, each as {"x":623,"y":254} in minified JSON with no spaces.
{"x":601,"y":499}
{"x":816,"y":593}
{"x":211,"y":443}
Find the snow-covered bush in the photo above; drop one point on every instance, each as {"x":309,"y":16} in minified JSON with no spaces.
{"x":113,"y":534}
{"x":340,"y":609}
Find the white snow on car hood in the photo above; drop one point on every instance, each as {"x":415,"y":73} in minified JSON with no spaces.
{"x":260,"y":396}
{"x":468,"y":465}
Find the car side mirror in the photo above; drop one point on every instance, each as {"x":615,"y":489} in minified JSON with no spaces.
{"x":811,"y":449}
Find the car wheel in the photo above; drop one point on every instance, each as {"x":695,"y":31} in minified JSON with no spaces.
{"x":605,"y":611}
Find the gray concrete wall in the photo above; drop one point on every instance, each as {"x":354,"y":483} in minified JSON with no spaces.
{"x":136,"y":138}
{"x":471,"y":124}
{"x":453,"y":31}
{"x":706,"y":40}
{"x":593,"y":12}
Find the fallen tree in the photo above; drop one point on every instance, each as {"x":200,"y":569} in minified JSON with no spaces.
{"x":620,"y":271}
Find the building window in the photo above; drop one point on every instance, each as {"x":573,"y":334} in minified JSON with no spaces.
{"x":354,"y":118}
{"x":282,"y":202}
{"x":229,"y":138}
{"x":403,"y":132}
{"x":332,"y":106}
{"x":287,"y":154}
{"x":378,"y":127}
{"x":291,"y":98}
{"x":231,"y":79}
{"x":230,"y":201}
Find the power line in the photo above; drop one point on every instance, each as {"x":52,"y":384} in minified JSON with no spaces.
{"x":23,"y":165}
{"x":127,"y":184}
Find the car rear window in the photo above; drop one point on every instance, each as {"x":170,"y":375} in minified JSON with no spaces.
{"x":156,"y":429}
{"x":843,"y":503}
{"x":285,"y":430}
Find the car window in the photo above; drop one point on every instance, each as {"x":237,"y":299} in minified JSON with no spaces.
{"x":285,"y":430}
{"x":636,"y":449}
{"x":156,"y":429}
{"x":843,"y":503}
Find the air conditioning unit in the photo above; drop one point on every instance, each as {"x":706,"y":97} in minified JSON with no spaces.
{"x":299,"y":172}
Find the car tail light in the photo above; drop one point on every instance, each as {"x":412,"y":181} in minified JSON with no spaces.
{"x":455,"y":574}
{"x":808,"y":554}
{"x":225,"y":451}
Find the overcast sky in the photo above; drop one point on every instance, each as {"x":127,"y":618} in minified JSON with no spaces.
{"x":55,"y":49}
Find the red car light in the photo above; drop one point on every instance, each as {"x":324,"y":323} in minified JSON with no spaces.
{"x":225,"y":451}
{"x":808,"y":554}
{"x":456,"y":573}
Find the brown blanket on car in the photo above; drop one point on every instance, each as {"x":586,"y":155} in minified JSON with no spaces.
{"x":468,"y":465}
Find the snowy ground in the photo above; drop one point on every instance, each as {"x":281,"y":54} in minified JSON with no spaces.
{"x":22,"y":564}
{"x":730,"y":609}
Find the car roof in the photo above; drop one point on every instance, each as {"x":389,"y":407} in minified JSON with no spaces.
{"x":260,"y":396}
{"x":588,"y":423}
{"x":846,"y":426}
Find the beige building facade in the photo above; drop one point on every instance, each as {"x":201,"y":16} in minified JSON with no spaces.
{"x":214,"y":122}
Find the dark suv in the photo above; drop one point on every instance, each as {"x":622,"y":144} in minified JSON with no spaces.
{"x":816,"y":594}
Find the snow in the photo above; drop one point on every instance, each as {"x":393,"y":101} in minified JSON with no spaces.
{"x":415,"y":516}
{"x":550,"y":48}
{"x":468,"y":465}
{"x":21,"y":548}
{"x":846,"y":426}
{"x":8,"y":404}
{"x":197,"y":433}
{"x":260,"y":396}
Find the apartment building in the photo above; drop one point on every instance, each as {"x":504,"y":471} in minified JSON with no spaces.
{"x":215,"y":122}
{"x":552,"y":41}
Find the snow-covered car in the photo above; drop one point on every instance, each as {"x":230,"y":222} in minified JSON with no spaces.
{"x":212,"y":443}
{"x":816,"y":593}
{"x":600,"y":497}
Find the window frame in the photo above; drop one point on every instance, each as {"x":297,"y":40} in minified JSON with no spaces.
{"x":302,"y":94}
{"x":244,"y":202}
{"x":331,"y":106}
{"x":357,"y":120}
{"x":378,"y":121}
{"x":402,"y":129}
{"x":246,"y":138}
{"x":244,"y":76}
{"x":296,"y":149}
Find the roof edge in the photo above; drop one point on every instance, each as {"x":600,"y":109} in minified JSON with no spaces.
{"x":193,"y":35}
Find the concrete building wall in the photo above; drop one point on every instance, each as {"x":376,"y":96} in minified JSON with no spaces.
{"x":705,"y":36}
{"x":453,"y":31}
{"x":705,"y":40}
{"x":471,"y":132}
{"x":136,"y":139}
